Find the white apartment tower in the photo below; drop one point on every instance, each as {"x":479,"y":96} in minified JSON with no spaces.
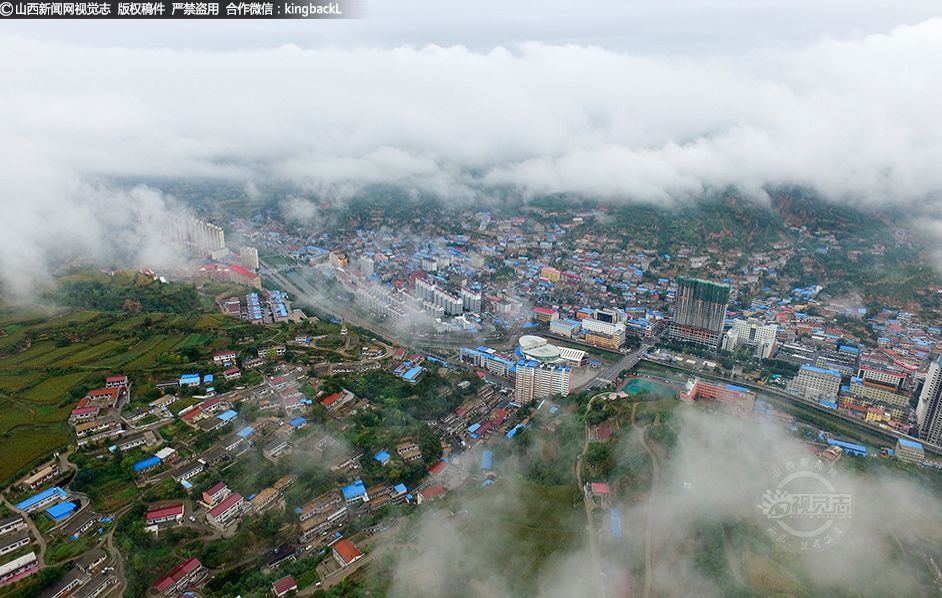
{"x":929,"y":409}
{"x":537,"y":380}
{"x":249,"y":258}
{"x":751,"y":333}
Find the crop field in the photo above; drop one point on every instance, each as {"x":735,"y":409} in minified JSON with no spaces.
{"x":54,"y":389}
{"x":46,"y":355}
{"x":15,"y":382}
{"x":26,"y":444}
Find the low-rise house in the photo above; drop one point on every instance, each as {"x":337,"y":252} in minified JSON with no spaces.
{"x":355,"y":492}
{"x":119,"y":381}
{"x":165,"y":516}
{"x":42,"y":499}
{"x":322,"y":523}
{"x":129,"y":442}
{"x":91,"y":560}
{"x":284,"y":585}
{"x":132,"y":417}
{"x":188,"y":574}
{"x":346,"y":553}
{"x":104,"y":397}
{"x":96,"y":426}
{"x":12,"y":524}
{"x":83,"y":414}
{"x":225,"y":357}
{"x":329,"y":501}
{"x":99,"y":585}
{"x":214,"y":456}
{"x":227,"y":511}
{"x":281,"y":555}
{"x":12,"y":541}
{"x":18,"y":568}
{"x":65,"y":585}
{"x":409,"y":451}
{"x":81,"y":523}
{"x":213,"y":495}
{"x":187,"y":470}
{"x":337,"y":400}
{"x":276,"y":448}
{"x":35,"y":480}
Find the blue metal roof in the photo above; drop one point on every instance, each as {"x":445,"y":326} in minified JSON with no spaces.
{"x":298,"y":421}
{"x":487,"y":460}
{"x":413,"y":373}
{"x":61,"y":511}
{"x":910,"y":444}
{"x":381,"y":456}
{"x":354,"y":490}
{"x":227,"y":415}
{"x":36,"y":498}
{"x":146,"y":463}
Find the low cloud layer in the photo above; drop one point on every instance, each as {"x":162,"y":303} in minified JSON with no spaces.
{"x":707,"y":536}
{"x":856,"y":120}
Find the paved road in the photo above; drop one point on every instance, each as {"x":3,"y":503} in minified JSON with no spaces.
{"x":304,"y":291}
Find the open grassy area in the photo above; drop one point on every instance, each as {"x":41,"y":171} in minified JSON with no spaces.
{"x":24,"y":445}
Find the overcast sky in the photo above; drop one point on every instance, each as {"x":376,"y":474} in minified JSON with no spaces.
{"x":622,"y":101}
{"x":638,"y":26}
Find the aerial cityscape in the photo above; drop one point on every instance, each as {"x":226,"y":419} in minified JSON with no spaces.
{"x":641,"y":301}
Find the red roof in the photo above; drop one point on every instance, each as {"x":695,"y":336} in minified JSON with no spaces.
{"x":84,"y":410}
{"x":101,"y":393}
{"x":330,"y":400}
{"x":116,"y":379}
{"x":432,"y":492}
{"x":191,"y":414}
{"x":231,"y":371}
{"x":178,"y":573}
{"x":284,"y":585}
{"x":224,"y":353}
{"x":438,"y":467}
{"x":544,"y":310}
{"x":242,"y":271}
{"x":599,"y":488}
{"x":225,"y":504}
{"x":347,"y":551}
{"x":214,"y":488}
{"x":164,"y":512}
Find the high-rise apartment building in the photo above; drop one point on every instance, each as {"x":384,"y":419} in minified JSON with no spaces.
{"x":249,"y":258}
{"x":699,"y":311}
{"x":472,"y":301}
{"x":537,"y":380}
{"x":752,"y":333}
{"x":929,"y":409}
{"x":200,"y":239}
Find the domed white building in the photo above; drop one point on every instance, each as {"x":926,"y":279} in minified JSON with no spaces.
{"x":539,"y":349}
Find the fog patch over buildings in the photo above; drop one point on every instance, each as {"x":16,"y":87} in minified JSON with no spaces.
{"x":710,"y":486}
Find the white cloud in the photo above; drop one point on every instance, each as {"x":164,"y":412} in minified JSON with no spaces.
{"x":855,"y":119}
